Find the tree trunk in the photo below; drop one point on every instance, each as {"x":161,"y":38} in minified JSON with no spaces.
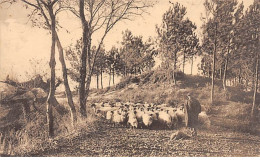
{"x":225,"y":74}
{"x":97,"y":81}
{"x":124,"y":71}
{"x":239,"y":76}
{"x":113,"y":76}
{"x":220,"y":72}
{"x":254,"y":108}
{"x":175,"y":67}
{"x":66,"y":82}
{"x":83,"y":68}
{"x":110,"y":75}
{"x":246,"y":85}
{"x":52,"y":64}
{"x":208,"y":72}
{"x":59,"y":108}
{"x":101,"y":76}
{"x":183,"y":61}
{"x":191,"y":65}
{"x":213,"y":68}
{"x":88,"y":86}
{"x":213,"y":79}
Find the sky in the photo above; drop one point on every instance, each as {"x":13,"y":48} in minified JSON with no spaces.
{"x":20,"y":42}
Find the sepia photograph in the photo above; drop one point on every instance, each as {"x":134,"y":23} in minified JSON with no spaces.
{"x":129,"y":78}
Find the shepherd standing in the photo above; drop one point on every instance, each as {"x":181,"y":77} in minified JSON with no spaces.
{"x":192,"y":108}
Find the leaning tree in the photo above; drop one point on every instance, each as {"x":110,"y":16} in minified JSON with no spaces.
{"x":43,"y":14}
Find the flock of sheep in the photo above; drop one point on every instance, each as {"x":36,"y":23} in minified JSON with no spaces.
{"x":137,"y":115}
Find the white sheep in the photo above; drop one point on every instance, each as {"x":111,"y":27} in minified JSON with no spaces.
{"x":117,"y":118}
{"x":146,"y":105}
{"x":107,"y":104}
{"x":174,"y":117}
{"x":154,"y":115}
{"x":147,"y":119}
{"x":118,"y":104}
{"x":132,"y":120}
{"x":204,"y":119}
{"x":165,"y":119}
{"x":109,"y":115}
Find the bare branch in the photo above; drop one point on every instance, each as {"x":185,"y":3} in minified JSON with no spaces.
{"x":32,"y":14}
{"x":31,"y":4}
{"x":44,"y":3}
{"x":100,"y":4}
{"x":68,"y":7}
{"x":44,"y":15}
{"x":6,"y":1}
{"x":52,"y":3}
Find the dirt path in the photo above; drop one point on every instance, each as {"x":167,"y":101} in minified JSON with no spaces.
{"x":107,"y":140}
{"x":121,"y":141}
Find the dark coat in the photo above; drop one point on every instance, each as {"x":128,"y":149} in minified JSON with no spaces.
{"x":192,"y":109}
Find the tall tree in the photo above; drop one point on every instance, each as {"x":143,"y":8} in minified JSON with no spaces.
{"x":47,"y":11}
{"x":211,"y":30}
{"x":189,"y":41}
{"x":176,"y":35}
{"x":100,"y":15}
{"x":252,"y":18}
{"x":191,"y":48}
{"x":226,"y":35}
{"x":137,"y":55}
{"x":100,"y":66}
{"x":111,"y":63}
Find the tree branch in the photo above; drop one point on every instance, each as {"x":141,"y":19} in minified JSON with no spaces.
{"x":44,"y":15}
{"x":30,"y":4}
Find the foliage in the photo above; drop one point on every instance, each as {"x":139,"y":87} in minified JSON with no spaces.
{"x":137,"y":56}
{"x":235,"y":30}
{"x":176,"y":36}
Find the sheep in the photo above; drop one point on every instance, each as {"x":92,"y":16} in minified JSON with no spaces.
{"x":132,"y":120}
{"x":162,"y":106}
{"x":123,"y":111}
{"x":147,"y":119}
{"x":139,"y":114}
{"x":123,"y":118}
{"x":100,"y":113}
{"x":118,"y":104}
{"x":165,"y":118}
{"x":107,"y":105}
{"x":118,"y":118}
{"x":132,"y":108}
{"x":97,"y":107}
{"x":146,"y":105}
{"x":174,"y":117}
{"x":204,"y":119}
{"x":153,"y":114}
{"x":94,"y":108}
{"x":152,"y":104}
{"x":180,"y":114}
{"x":109,"y":115}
